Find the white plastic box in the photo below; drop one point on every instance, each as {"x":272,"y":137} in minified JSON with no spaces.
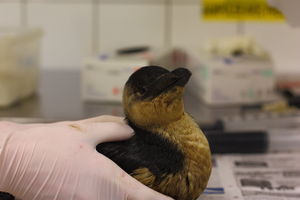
{"x":19,"y":64}
{"x":232,"y":80}
{"x":103,"y":79}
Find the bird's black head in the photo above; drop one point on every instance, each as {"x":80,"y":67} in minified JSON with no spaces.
{"x":153,"y":95}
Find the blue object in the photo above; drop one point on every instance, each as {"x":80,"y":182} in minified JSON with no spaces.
{"x":217,"y":190}
{"x":228,"y":61}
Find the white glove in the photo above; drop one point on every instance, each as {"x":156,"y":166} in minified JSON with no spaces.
{"x":59,"y":161}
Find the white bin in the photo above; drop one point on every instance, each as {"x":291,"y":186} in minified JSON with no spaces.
{"x":19,"y":64}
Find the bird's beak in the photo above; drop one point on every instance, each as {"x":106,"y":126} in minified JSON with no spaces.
{"x":178,"y":77}
{"x":183,"y":75}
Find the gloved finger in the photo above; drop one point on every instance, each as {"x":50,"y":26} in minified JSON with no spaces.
{"x":97,"y":133}
{"x":136,"y":190}
{"x":104,"y":118}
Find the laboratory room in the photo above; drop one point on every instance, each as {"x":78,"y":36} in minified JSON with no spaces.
{"x":149,"y":100}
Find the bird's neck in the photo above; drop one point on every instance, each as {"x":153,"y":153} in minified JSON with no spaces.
{"x":184,"y":130}
{"x":183,"y":127}
{"x":185,"y":133}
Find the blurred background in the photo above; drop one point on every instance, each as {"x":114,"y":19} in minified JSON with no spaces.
{"x":75,"y":29}
{"x":69,"y":59}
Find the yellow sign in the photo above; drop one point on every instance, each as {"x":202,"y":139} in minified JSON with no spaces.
{"x":239,"y":10}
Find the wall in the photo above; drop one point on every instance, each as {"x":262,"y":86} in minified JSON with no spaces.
{"x":74,"y":30}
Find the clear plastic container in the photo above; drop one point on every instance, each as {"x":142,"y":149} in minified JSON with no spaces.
{"x":19,"y":64}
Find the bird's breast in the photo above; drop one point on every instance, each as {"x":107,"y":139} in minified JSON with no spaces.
{"x":190,"y":140}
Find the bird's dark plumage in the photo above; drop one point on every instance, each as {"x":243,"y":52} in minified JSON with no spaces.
{"x":145,"y":150}
{"x":6,"y":196}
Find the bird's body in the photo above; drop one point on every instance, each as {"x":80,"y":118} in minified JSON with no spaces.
{"x":168,"y":152}
{"x":172,"y":160}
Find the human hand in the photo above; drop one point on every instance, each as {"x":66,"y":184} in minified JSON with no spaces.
{"x":59,"y":161}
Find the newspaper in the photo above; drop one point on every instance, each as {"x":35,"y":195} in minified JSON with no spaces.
{"x":254,"y":177}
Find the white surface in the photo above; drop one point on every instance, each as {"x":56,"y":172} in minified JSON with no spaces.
{"x":290,"y":8}
{"x":281,"y":41}
{"x":68,"y":24}
{"x":190,"y":31}
{"x":67,"y":28}
{"x":9,"y":14}
{"x":123,"y":25}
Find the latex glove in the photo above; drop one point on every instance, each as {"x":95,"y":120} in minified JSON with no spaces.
{"x":59,"y":161}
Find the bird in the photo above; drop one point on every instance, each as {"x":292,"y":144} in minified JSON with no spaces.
{"x":168,"y":152}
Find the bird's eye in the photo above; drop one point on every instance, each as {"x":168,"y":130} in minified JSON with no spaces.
{"x":141,"y":91}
